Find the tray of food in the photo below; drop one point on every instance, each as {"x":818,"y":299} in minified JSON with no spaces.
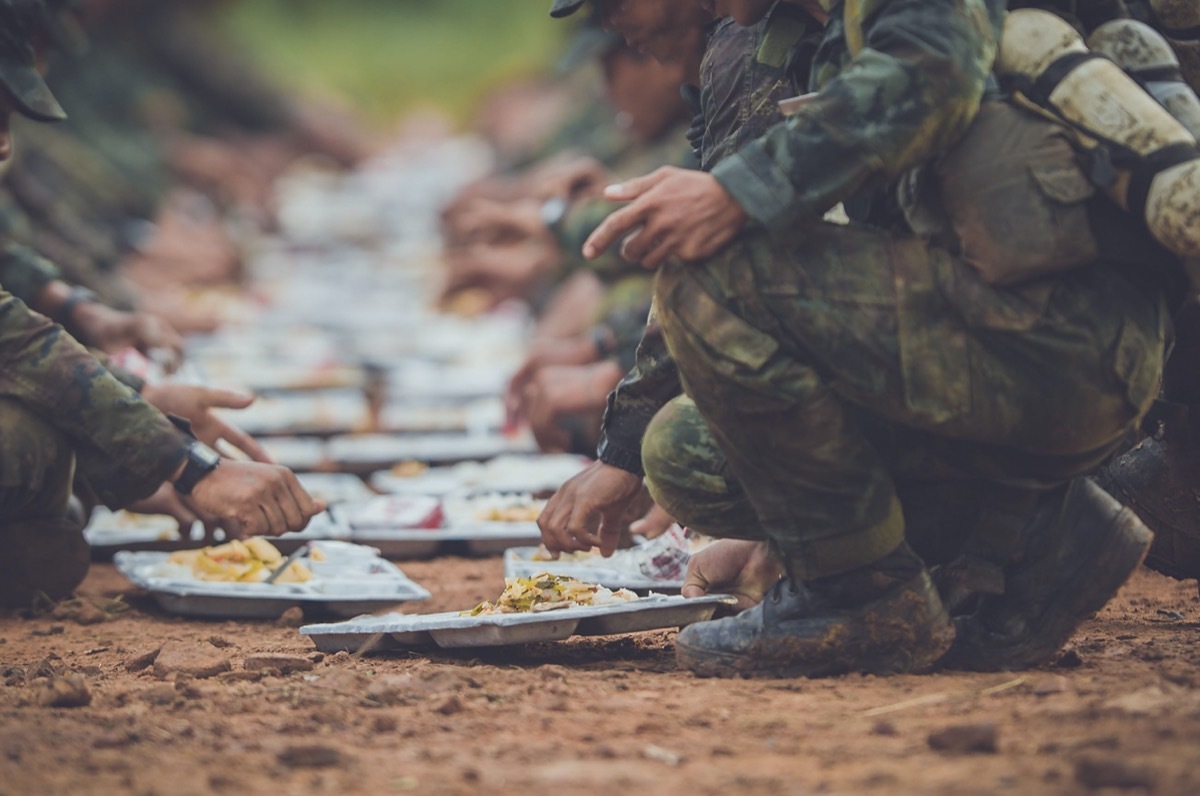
{"x":369,"y":452}
{"x":334,"y":488}
{"x":231,"y":580}
{"x":110,"y":531}
{"x":412,"y":526}
{"x":537,"y":609}
{"x":533,"y":473}
{"x":320,"y":412}
{"x":658,"y":564}
{"x":298,"y":453}
{"x":478,"y":416}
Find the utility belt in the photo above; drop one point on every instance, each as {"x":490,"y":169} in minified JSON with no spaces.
{"x":1023,"y":194}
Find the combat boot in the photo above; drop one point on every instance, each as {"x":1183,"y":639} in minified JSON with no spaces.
{"x":1079,"y":547}
{"x":1160,"y":483}
{"x":882,"y":619}
{"x":44,"y":558}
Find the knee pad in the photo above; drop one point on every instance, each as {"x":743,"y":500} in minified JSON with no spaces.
{"x":1179,"y":21}
{"x":1143,"y":52}
{"x":1141,"y":156}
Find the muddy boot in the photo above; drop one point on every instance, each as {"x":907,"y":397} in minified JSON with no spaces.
{"x":1163,"y":488}
{"x":42,"y":558}
{"x":882,"y":619}
{"x":1078,"y":549}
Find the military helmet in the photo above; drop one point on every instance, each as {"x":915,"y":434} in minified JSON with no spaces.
{"x":565,"y":8}
{"x":22,"y":24}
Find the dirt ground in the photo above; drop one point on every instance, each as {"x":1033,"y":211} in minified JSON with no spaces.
{"x":1119,"y":712}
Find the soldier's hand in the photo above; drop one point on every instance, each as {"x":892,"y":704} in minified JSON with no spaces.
{"x":195,"y":404}
{"x":586,"y":511}
{"x":253,"y":499}
{"x":111,"y":330}
{"x":653,"y":524}
{"x":169,"y":502}
{"x":742,"y":568}
{"x":673,"y":212}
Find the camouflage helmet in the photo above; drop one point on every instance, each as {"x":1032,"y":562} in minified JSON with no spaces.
{"x":22,"y":25}
{"x":565,"y":8}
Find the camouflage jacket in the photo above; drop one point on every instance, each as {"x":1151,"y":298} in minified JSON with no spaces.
{"x":899,"y":81}
{"x":44,"y":368}
{"x":745,"y":72}
{"x":24,"y":273}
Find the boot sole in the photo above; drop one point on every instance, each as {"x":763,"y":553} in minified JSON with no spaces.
{"x":1111,"y":564}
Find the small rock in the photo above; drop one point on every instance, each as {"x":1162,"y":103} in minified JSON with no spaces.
{"x":451,"y":706}
{"x":197,"y":660}
{"x":1054,"y":684}
{"x":310,"y":756}
{"x":292,"y":617}
{"x":114,"y":740}
{"x":162,"y":694}
{"x":884,"y":727}
{"x":316,"y":657}
{"x":965,"y":738}
{"x":1070,"y":659}
{"x":1096,"y":772}
{"x":383,"y":724}
{"x":69,"y":690}
{"x":662,"y":755}
{"x":143,"y":661}
{"x":391,"y":689}
{"x":220,"y":642}
{"x":284,"y":664}
{"x":240,"y":676}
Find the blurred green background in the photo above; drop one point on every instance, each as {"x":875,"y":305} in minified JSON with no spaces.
{"x":387,"y":57}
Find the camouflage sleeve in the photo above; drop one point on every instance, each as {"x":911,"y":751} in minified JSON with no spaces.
{"x":899,"y":81}
{"x":579,"y":222}
{"x":24,"y":273}
{"x":648,"y":387}
{"x":44,"y":368}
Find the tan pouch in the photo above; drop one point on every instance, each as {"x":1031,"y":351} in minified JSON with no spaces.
{"x":1016,"y":197}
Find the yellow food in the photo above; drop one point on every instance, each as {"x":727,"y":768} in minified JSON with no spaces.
{"x":519,"y":513}
{"x":409,"y":469}
{"x":249,"y":561}
{"x":546,"y":592}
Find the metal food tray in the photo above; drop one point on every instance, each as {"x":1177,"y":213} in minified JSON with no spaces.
{"x":109,"y":532}
{"x":369,"y":452}
{"x":519,"y":563}
{"x":353,"y":579}
{"x":482,"y":538}
{"x":453,"y":630}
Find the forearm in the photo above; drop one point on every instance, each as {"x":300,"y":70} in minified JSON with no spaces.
{"x":909,"y":91}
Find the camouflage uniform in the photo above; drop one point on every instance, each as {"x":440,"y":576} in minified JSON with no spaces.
{"x":63,"y":411}
{"x":793,"y":342}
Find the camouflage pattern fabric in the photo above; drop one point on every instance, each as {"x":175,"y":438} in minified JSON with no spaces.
{"x":124,"y":447}
{"x":1028,"y":385}
{"x":37,"y":466}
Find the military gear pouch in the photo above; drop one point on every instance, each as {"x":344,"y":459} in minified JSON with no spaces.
{"x":1010,"y":198}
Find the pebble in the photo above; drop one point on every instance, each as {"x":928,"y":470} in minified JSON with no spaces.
{"x":188,"y":657}
{"x":310,"y":756}
{"x":284,"y":664}
{"x":292,"y":617}
{"x":391,"y":689}
{"x":1096,"y":772}
{"x":965,"y":738}
{"x":68,"y":690}
{"x":451,"y":706}
{"x":143,"y":661}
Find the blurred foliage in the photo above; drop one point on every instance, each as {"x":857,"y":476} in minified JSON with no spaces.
{"x":387,"y":57}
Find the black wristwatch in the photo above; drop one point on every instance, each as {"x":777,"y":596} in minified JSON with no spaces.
{"x":201,"y":459}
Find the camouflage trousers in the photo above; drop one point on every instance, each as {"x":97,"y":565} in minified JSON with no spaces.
{"x":37,"y":466}
{"x":830,"y":368}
